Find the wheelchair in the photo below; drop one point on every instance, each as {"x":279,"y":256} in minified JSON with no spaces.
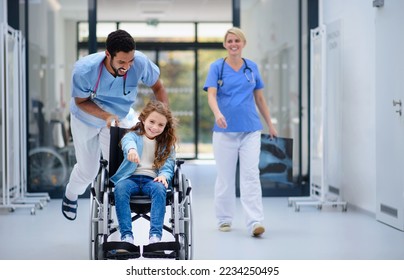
{"x":103,"y":223}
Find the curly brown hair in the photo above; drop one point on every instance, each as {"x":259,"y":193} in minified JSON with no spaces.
{"x":166,"y":141}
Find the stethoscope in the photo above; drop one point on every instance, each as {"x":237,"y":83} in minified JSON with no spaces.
{"x":94,"y":91}
{"x":252,"y":80}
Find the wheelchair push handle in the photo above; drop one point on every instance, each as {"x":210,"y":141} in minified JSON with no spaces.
{"x":179,"y":162}
{"x":113,"y":123}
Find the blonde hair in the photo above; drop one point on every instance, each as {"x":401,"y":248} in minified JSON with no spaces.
{"x":237,"y":32}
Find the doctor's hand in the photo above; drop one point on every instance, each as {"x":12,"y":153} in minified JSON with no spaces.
{"x":112,"y":120}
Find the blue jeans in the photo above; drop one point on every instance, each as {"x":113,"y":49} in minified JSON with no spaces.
{"x":143,"y":185}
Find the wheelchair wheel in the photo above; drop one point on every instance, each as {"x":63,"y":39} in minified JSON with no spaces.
{"x":185,"y":238}
{"x":47,"y":168}
{"x":99,"y":211}
{"x":188,"y":230}
{"x":185,"y":235}
{"x":95,"y":244}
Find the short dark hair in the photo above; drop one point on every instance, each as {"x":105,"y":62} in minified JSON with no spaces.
{"x":120,"y":41}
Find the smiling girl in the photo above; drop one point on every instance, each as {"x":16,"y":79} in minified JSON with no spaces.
{"x":147,"y":168}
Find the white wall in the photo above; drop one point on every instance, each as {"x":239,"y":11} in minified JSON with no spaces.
{"x":46,"y":65}
{"x":357,"y":99}
{"x":70,"y":57}
{"x":3,"y":13}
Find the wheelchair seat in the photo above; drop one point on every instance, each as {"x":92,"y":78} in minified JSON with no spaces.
{"x":102,"y":199}
{"x":141,"y":204}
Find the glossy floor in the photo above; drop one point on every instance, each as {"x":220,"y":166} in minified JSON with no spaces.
{"x":310,"y":234}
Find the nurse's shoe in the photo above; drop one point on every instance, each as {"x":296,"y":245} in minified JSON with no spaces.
{"x":257,"y":230}
{"x":225,"y":227}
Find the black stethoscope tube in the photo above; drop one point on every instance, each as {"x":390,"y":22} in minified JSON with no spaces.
{"x":220,"y":80}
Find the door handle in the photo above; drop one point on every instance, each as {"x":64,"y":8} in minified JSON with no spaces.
{"x":397,"y":102}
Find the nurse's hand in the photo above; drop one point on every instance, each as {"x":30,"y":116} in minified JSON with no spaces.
{"x":221,"y":121}
{"x":272,"y":131}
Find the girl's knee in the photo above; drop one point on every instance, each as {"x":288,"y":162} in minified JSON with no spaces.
{"x":159,"y":189}
{"x":121,"y":191}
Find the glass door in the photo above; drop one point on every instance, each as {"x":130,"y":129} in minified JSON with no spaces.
{"x":177,"y":74}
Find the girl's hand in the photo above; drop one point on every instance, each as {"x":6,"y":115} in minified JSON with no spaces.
{"x":162,"y":180}
{"x":133,"y":156}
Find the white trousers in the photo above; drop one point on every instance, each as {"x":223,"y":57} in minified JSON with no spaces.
{"x":228,"y":148}
{"x":89,"y":142}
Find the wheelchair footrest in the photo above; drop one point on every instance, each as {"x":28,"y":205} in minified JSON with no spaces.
{"x":163,"y":250}
{"x":121,"y":250}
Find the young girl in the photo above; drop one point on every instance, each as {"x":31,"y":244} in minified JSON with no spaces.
{"x":147,"y":168}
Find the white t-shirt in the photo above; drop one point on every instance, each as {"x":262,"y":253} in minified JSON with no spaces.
{"x":145,"y":167}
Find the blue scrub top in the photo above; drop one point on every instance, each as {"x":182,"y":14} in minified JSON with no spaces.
{"x":236,"y":97}
{"x":109,"y":95}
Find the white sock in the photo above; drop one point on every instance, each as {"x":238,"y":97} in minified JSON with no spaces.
{"x":71,"y":196}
